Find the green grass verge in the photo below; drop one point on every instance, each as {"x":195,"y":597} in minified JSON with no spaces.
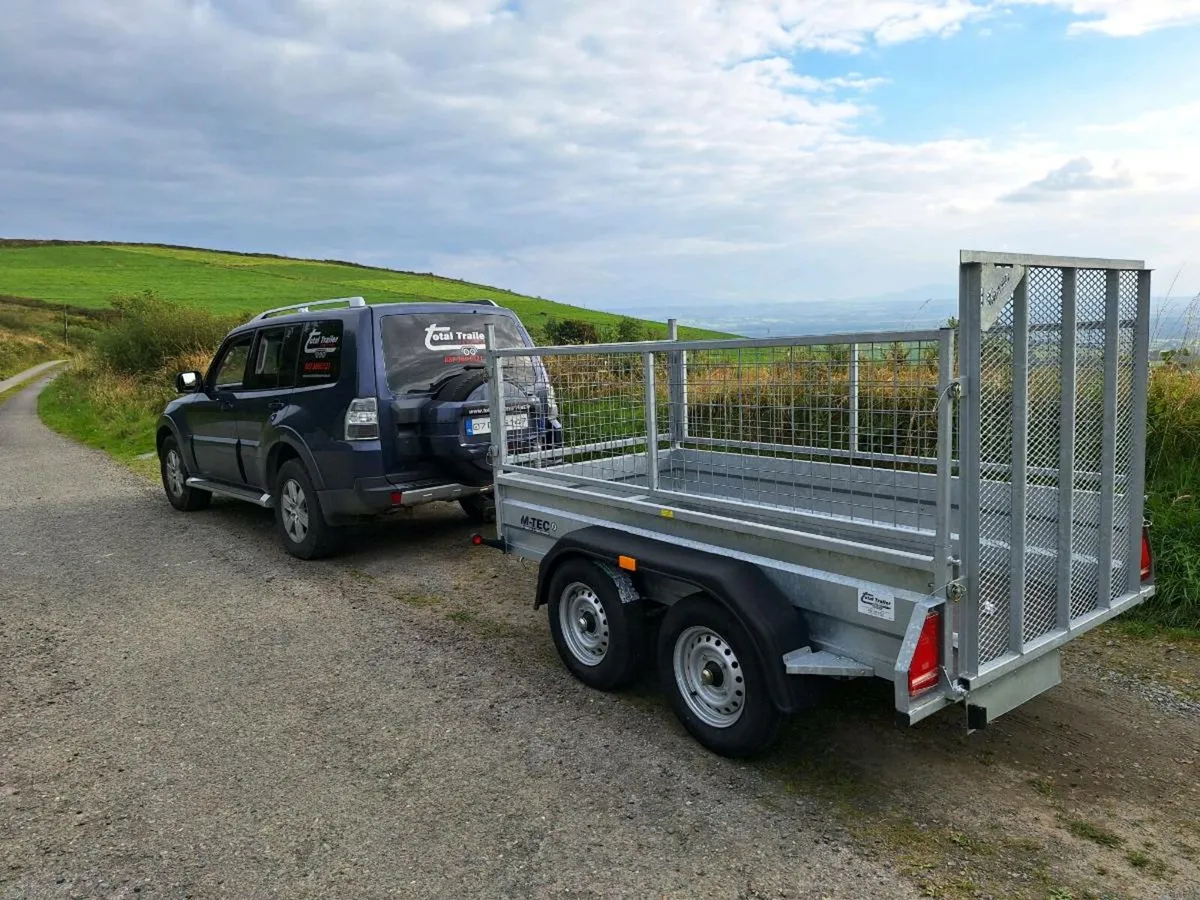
{"x":89,"y":275}
{"x":72,"y":406}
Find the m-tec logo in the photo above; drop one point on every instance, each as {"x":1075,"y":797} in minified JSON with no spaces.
{"x":541,"y":526}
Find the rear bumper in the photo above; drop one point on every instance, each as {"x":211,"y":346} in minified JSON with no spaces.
{"x":375,"y":496}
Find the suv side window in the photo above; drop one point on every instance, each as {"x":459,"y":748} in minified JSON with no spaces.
{"x":229,"y":371}
{"x":320,"y":353}
{"x":274,"y":363}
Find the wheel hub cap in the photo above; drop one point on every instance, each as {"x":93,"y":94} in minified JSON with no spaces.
{"x":174,"y":473}
{"x":293,"y":506}
{"x":584,"y":624}
{"x":709,"y":676}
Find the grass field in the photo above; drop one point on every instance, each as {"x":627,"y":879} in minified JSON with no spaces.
{"x":90,"y":275}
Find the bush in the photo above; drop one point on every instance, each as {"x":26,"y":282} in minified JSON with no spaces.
{"x":150,"y":331}
{"x":571,"y":331}
{"x":630,"y":330}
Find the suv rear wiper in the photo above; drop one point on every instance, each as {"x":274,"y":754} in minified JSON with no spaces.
{"x":444,"y":377}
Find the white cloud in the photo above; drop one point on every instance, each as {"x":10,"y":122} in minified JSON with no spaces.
{"x":1126,"y":18}
{"x":569,"y":148}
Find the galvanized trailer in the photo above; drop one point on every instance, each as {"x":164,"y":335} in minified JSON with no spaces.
{"x":788,"y":510}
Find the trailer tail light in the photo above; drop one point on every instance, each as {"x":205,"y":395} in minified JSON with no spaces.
{"x":925,"y":669}
{"x":1147,"y":556}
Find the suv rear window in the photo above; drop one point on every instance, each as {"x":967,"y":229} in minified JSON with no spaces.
{"x":421,"y":350}
{"x":320,"y":353}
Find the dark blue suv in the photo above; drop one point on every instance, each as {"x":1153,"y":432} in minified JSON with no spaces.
{"x":335,"y":412}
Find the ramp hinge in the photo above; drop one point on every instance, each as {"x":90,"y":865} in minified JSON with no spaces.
{"x":955,"y":591}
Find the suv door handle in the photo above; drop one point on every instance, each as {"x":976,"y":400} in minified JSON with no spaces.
{"x":276,"y":405}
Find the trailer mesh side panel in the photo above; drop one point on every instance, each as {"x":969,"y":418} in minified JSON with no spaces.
{"x":1045,"y":419}
{"x":995,"y":490}
{"x":1089,"y":423}
{"x":1054,"y":534}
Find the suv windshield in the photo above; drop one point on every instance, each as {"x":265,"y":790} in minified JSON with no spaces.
{"x":422,"y":350}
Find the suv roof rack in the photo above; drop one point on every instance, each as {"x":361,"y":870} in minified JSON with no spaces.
{"x":483,"y":301}
{"x":351,"y":303}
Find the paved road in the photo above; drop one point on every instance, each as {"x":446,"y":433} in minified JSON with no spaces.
{"x":186,"y":711}
{"x":22,"y":377}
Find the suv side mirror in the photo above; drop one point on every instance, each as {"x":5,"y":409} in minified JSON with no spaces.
{"x":188,"y":382}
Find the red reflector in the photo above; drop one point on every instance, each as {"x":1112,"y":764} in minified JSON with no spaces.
{"x":925,"y":669}
{"x":397,"y":498}
{"x":1147,"y":557}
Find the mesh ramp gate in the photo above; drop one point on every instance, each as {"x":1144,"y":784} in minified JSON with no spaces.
{"x":1053,"y":357}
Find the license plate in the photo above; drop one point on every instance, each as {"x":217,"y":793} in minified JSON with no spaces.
{"x":483,"y":425}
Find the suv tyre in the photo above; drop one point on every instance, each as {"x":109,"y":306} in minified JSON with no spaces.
{"x":298,"y":516}
{"x":174,"y":478}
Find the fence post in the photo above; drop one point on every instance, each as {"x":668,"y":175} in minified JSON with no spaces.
{"x":1136,"y":487}
{"x":495,"y":369}
{"x":853,"y":400}
{"x":651,"y":421}
{"x":677,"y":377}
{"x":970,"y":294}
{"x":943,"y":568}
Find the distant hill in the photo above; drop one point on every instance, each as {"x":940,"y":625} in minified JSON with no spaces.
{"x":91,"y":274}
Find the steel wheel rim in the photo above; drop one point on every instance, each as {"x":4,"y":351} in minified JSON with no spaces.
{"x":294,"y":507}
{"x":584,"y":623}
{"x":174,"y":473}
{"x":709,"y":676}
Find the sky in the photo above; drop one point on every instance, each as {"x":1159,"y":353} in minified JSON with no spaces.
{"x":706,"y":154}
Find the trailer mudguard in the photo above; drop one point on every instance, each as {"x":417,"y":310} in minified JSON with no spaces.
{"x":775,"y":626}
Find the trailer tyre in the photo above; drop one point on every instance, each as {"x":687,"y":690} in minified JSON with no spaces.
{"x":714,"y":678}
{"x":598,"y":636}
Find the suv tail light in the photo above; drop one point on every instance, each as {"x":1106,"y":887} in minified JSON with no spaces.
{"x":1147,"y":556}
{"x":926,"y":668}
{"x":362,"y":420}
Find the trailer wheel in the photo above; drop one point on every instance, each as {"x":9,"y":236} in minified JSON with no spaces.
{"x":597,"y":635}
{"x":714,"y":678}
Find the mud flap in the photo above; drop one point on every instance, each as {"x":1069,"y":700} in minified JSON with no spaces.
{"x":994,"y":699}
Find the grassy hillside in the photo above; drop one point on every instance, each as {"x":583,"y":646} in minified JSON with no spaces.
{"x":89,"y":275}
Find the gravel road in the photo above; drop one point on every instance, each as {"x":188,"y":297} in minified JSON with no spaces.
{"x":186,"y":711}
{"x":9,"y":383}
